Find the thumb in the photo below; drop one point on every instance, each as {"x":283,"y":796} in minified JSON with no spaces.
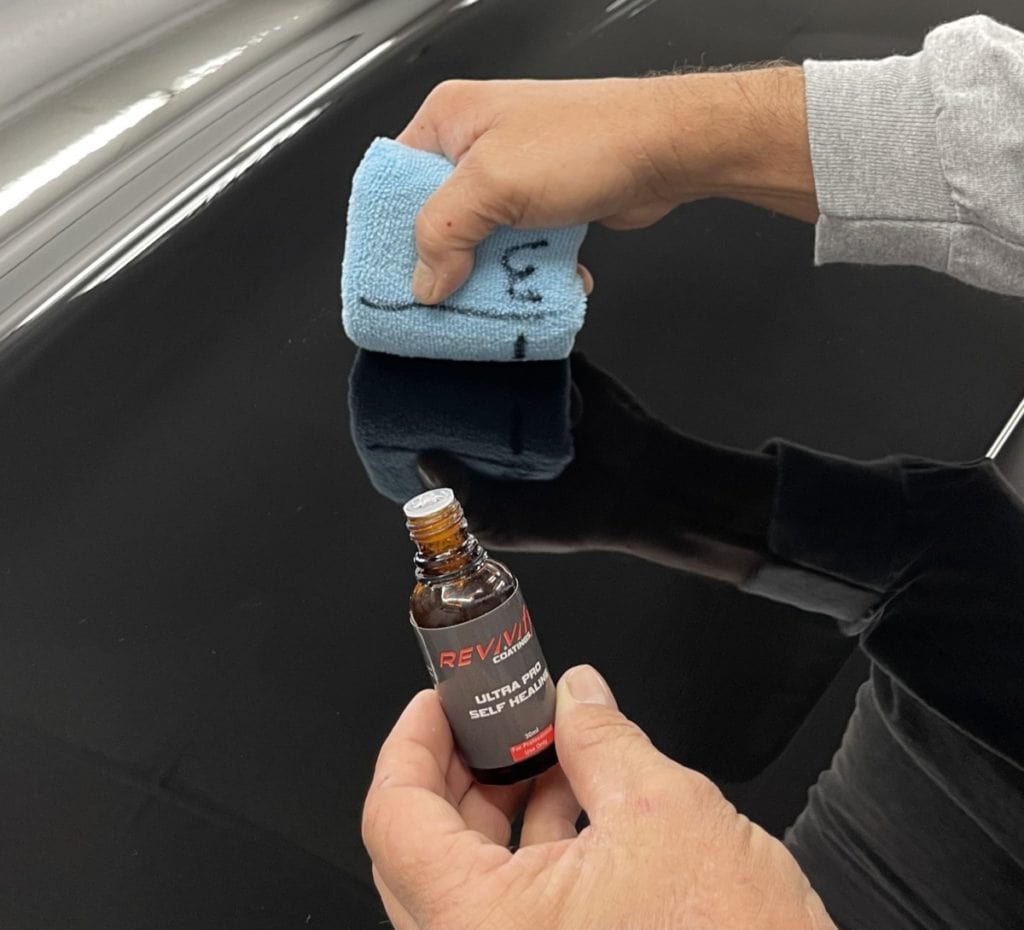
{"x":449,"y":227}
{"x":608,"y":759}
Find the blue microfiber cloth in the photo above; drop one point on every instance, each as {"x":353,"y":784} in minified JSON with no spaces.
{"x":524,"y":299}
{"x":504,"y":421}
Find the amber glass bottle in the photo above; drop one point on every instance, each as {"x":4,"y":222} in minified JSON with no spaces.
{"x":480,"y":646}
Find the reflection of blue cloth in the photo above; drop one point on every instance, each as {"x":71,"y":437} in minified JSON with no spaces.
{"x":503,"y":421}
{"x":523,"y":300}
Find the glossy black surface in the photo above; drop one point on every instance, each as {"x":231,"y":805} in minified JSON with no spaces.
{"x":203,"y":637}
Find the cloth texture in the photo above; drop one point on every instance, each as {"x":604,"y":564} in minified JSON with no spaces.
{"x":920,"y":160}
{"x":523,"y":300}
{"x":503,"y":421}
{"x":919,"y":821}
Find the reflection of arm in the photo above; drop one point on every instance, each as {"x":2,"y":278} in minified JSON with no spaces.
{"x":946,"y":545}
{"x":638,"y":486}
{"x":919,"y":822}
{"x":920,"y":160}
{"x":938,"y":546}
{"x":635,"y":485}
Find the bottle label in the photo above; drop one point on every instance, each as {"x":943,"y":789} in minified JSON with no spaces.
{"x":494,"y":685}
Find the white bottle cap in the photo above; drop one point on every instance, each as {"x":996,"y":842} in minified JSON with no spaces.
{"x":429,"y":502}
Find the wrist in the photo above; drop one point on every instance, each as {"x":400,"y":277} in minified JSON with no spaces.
{"x":741,"y":135}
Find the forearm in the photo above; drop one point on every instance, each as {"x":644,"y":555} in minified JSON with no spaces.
{"x":908,"y":160}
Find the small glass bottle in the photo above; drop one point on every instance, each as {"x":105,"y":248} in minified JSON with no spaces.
{"x":480,"y":646}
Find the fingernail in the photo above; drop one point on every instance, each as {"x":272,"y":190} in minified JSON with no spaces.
{"x":423,"y":280}
{"x":586,"y":686}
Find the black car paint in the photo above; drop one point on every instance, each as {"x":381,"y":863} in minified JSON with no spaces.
{"x":203,"y":602}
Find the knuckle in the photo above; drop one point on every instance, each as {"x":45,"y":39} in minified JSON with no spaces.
{"x":436,"y":231}
{"x":485,"y":170}
{"x":707,"y":805}
{"x":385,"y":836}
{"x":491,"y":175}
{"x":448,"y":900}
{"x":608,"y":728}
{"x":703,"y":792}
{"x":450,"y":92}
{"x":460,"y":213}
{"x":371,"y":825}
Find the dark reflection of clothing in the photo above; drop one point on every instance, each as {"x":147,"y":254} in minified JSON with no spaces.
{"x":542,"y":468}
{"x":919,"y":822}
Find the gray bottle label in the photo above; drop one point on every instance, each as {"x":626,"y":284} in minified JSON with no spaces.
{"x":494,"y":685}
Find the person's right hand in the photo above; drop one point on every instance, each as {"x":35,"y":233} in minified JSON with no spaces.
{"x":663,"y":847}
{"x":620,"y":151}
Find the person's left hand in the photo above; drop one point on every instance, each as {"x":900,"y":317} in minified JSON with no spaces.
{"x":663,"y":847}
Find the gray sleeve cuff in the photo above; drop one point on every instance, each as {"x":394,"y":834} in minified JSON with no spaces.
{"x":882,"y":193}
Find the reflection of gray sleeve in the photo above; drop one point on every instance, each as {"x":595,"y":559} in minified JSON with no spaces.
{"x":920,"y":160}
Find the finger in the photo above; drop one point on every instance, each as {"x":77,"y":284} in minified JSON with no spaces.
{"x":444,"y":123}
{"x":607,"y":759}
{"x":552,"y":811}
{"x":400,"y":918}
{"x":510,"y":513}
{"x":490,"y":809}
{"x":452,"y":223}
{"x":419,"y":750}
{"x":421,"y":133}
{"x":599,"y":387}
{"x":587,"y":278}
{"x":411,"y":831}
{"x":458,"y":780}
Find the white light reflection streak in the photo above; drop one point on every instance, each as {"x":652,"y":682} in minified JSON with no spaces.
{"x":171,"y":214}
{"x":194,"y":75}
{"x":637,"y":10}
{"x":20,"y":189}
{"x":1006,"y":432}
{"x":203,"y":197}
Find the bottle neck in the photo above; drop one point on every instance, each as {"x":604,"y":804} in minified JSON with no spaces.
{"x":444,"y":545}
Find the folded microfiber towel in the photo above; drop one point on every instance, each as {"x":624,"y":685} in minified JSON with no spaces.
{"x":504,"y":421}
{"x":524,"y":299}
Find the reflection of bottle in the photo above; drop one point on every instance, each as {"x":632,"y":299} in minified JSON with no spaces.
{"x":480,"y":646}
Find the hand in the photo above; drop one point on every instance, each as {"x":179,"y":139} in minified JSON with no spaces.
{"x":620,"y":151}
{"x":559,"y":515}
{"x":663,"y":847}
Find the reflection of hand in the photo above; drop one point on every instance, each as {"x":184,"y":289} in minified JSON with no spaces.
{"x":622,"y":151}
{"x":568,"y":512}
{"x":663,"y":847}
{"x":634,"y":485}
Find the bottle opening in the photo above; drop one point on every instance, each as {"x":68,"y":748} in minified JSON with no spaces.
{"x":438,"y":528}
{"x":429,"y":503}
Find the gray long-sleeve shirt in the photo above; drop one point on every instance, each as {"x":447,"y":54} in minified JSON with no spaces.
{"x":920,"y":160}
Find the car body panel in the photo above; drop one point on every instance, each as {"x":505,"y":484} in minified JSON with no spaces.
{"x":203,"y":601}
